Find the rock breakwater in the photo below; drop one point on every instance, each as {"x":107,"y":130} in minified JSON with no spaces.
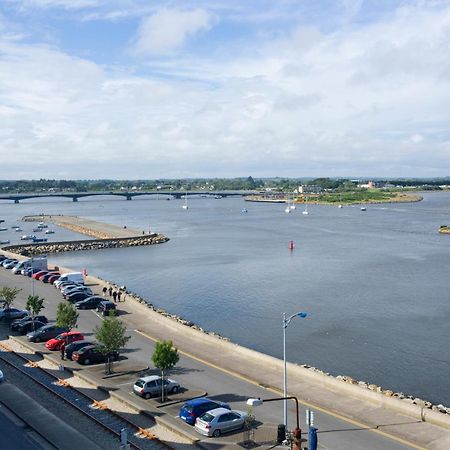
{"x":94,"y":244}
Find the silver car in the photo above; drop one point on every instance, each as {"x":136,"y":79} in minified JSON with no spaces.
{"x":219,"y":421}
{"x":148,"y":386}
{"x":12,"y":313}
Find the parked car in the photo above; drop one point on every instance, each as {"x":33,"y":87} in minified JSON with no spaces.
{"x":45,"y":333}
{"x":10,"y":264}
{"x":71,"y":289}
{"x":12,"y":313}
{"x":106,"y":307}
{"x":18,"y":322}
{"x":53,"y":278}
{"x":7,"y":261}
{"x":2,"y":258}
{"x":77,"y":296}
{"x":46,"y":277}
{"x":63,"y":338}
{"x":75,"y":346}
{"x":39,"y":274}
{"x":30,"y":326}
{"x":89,"y":303}
{"x":91,"y":354}
{"x":219,"y":421}
{"x":149,"y":386}
{"x":197,"y":407}
{"x":59,"y":284}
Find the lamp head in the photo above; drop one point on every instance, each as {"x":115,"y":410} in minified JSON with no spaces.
{"x":254,"y":402}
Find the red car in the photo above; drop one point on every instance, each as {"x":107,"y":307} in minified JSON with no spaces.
{"x":39,"y":274}
{"x":64,"y":338}
{"x":53,"y":278}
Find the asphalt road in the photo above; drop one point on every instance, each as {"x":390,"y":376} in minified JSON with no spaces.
{"x":334,"y":433}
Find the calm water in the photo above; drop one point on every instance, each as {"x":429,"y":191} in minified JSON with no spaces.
{"x":376,"y":283}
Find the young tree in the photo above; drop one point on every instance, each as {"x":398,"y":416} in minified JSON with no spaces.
{"x":35,"y":304}
{"x":8,"y":295}
{"x":112,"y":337}
{"x":66,"y":317}
{"x":165,"y":357}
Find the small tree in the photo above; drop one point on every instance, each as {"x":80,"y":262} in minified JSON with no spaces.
{"x":112,"y":337}
{"x":66,"y":317}
{"x":35,"y":304}
{"x":165,"y":357}
{"x":8,"y":295}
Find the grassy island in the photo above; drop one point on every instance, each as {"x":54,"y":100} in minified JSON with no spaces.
{"x":341,"y":198}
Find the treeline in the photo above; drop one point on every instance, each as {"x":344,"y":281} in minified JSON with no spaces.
{"x":219,"y":184}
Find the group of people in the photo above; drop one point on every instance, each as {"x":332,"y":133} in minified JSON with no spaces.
{"x":117,"y":295}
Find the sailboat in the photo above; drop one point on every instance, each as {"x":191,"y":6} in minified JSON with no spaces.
{"x":288,"y":207}
{"x":305,"y":211}
{"x":185,"y":206}
{"x":292,"y":203}
{"x":340,"y":200}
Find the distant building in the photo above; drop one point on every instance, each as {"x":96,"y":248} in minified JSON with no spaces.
{"x":371,"y":185}
{"x":309,"y":189}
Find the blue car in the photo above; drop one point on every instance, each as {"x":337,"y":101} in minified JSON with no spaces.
{"x":197,"y":407}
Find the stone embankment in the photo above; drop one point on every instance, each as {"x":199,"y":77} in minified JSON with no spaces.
{"x":95,"y":244}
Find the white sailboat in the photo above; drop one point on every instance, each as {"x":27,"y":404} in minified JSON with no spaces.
{"x":292,"y":202}
{"x":305,"y":211}
{"x":185,"y":206}
{"x":288,"y":207}
{"x":340,"y":200}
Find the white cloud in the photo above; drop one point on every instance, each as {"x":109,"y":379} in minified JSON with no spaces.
{"x":367,"y":101}
{"x":168,"y":29}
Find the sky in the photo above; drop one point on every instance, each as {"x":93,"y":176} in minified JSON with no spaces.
{"x":139,"y":89}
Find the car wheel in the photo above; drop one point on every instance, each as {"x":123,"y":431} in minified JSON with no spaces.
{"x":216,"y":433}
{"x":87,"y":361}
{"x":175,"y":390}
{"x":38,"y":339}
{"x":147,"y":395}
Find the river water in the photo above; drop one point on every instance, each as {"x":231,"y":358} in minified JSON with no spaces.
{"x":375,"y":283}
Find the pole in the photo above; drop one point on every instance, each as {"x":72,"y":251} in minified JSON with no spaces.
{"x":297,"y":419}
{"x":285,"y":371}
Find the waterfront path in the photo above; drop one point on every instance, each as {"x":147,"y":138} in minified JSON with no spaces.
{"x":232,"y":373}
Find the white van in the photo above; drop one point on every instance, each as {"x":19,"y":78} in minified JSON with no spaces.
{"x":75,"y":277}
{"x":37,"y":264}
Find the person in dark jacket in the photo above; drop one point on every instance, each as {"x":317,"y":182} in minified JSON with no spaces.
{"x":114,"y":295}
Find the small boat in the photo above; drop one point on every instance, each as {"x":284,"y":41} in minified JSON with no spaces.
{"x":339,"y":206}
{"x":305,"y":211}
{"x":27,"y":237}
{"x":3,"y":229}
{"x":42,"y":225}
{"x":37,"y":230}
{"x":217,"y":196}
{"x":49,"y":231}
{"x":35,"y":239}
{"x":244,"y":210}
{"x":287,"y":210}
{"x":185,"y":206}
{"x":5,"y":242}
{"x":363,"y":208}
{"x":17,"y":229}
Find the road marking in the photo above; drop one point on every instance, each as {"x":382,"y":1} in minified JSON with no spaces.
{"x":124,"y":384}
{"x":304,"y":403}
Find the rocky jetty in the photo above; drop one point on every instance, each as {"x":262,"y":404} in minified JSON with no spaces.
{"x":95,"y":244}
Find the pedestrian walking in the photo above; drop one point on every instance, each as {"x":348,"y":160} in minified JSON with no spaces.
{"x":110,"y":291}
{"x":119,"y":294}
{"x":104,"y":291}
{"x":114,"y":295}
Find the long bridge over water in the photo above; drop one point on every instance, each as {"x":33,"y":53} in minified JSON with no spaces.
{"x":129,"y":195}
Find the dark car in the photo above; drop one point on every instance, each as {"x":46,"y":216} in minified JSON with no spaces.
{"x":32,"y":325}
{"x":12,"y":313}
{"x":48,"y":275}
{"x":45,"y":333}
{"x":197,"y":407}
{"x":19,"y":322}
{"x":106,"y":308}
{"x":89,"y":303}
{"x":77,"y":297}
{"x":91,"y":354}
{"x":75,"y":346}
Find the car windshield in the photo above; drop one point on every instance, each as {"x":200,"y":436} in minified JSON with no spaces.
{"x":187,"y":408}
{"x":140,"y":383}
{"x":60,"y":336}
{"x":207,"y":417}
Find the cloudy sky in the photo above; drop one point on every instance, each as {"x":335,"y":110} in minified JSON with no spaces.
{"x":224,"y":88}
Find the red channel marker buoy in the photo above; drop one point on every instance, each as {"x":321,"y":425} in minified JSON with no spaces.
{"x":291,"y":245}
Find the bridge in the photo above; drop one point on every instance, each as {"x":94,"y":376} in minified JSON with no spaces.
{"x":16,"y":198}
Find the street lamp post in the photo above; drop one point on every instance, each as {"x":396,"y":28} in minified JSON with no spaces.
{"x":286,"y":322}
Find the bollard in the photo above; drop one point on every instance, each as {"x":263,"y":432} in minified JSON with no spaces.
{"x":312,"y":438}
{"x":297,"y":438}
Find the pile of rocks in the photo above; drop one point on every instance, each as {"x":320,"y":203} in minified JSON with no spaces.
{"x":72,"y":246}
